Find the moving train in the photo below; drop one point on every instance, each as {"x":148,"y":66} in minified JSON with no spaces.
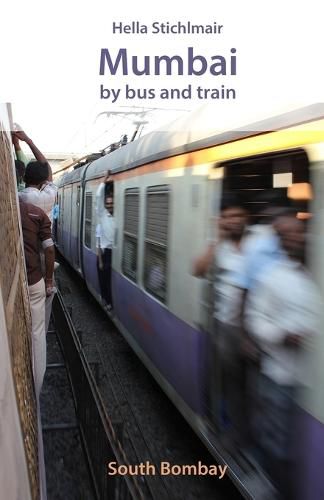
{"x":168,"y":187}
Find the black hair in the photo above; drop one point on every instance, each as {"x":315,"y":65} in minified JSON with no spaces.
{"x":109,"y":190}
{"x":270,"y":203}
{"x":230,"y":200}
{"x":36,"y":173}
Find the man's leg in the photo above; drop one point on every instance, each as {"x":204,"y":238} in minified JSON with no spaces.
{"x":48,"y":306}
{"x":106,"y":280}
{"x":101,"y":278}
{"x":232,"y":380}
{"x":278,"y":433}
{"x":215,"y":399}
{"x":37,"y":297}
{"x":48,"y":300}
{"x":108,"y":277}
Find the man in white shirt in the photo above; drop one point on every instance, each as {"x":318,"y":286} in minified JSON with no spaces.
{"x":39,"y":191}
{"x":282,"y":315}
{"x":105,"y":233}
{"x":227,"y":255}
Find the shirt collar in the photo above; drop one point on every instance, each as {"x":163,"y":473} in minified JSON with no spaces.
{"x":30,"y":188}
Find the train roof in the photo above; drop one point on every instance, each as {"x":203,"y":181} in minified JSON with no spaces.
{"x":71,"y":177}
{"x":197,"y":130}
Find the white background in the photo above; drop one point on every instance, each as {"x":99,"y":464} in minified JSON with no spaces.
{"x":50,"y":51}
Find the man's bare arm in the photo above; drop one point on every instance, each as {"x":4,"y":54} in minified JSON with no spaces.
{"x":15,"y":142}
{"x":203,"y":263}
{"x":22,"y":136}
{"x":107,"y":178}
{"x":49,"y":268}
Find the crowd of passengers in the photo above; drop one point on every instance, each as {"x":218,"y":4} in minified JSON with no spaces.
{"x":266,"y":317}
{"x":37,"y":194}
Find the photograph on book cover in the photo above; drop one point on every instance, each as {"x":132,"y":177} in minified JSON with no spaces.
{"x":161,"y":250}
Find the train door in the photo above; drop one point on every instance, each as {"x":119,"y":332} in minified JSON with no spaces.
{"x":59,"y":232}
{"x":78,"y":207}
{"x":213,"y":198}
{"x":67,"y":210}
{"x":88,"y":237}
{"x":212,"y":374}
{"x":262,"y":184}
{"x":75,"y":226}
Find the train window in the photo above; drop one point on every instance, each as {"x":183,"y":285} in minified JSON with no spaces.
{"x":131,"y":224}
{"x":88,"y":220}
{"x":156,"y":241}
{"x":256,"y":179}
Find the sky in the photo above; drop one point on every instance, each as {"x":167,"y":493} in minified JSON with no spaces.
{"x":50,"y":55}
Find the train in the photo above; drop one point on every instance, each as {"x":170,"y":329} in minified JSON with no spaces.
{"x":168,"y":186}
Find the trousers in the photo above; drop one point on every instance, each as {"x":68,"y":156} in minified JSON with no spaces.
{"x":227,"y":379}
{"x":104,"y":275}
{"x":37,"y":296}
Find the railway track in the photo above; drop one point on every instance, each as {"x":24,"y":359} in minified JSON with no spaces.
{"x":145,"y":423}
{"x":98,"y":435}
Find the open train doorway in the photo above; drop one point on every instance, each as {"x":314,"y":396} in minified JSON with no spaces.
{"x":257,"y":188}
{"x":105,"y":239}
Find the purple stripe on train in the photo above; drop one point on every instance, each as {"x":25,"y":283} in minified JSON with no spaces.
{"x":310,"y":458}
{"x":69,"y":246}
{"x":174,"y":347}
{"x":179,"y":353}
{"x":90,"y":269}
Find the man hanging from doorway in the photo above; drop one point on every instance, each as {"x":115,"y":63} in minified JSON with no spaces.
{"x":39,"y":191}
{"x":105,"y":231}
{"x":228,"y":259}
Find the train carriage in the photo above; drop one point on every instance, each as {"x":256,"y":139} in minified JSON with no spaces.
{"x":168,"y":187}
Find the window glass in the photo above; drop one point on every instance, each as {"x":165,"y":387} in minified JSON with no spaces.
{"x":156,"y":241}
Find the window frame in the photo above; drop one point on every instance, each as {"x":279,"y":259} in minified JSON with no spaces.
{"x":266,"y":156}
{"x":157,"y":246}
{"x":87,"y":220}
{"x":131,"y":236}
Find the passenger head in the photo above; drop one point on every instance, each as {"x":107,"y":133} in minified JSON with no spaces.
{"x":109,"y":204}
{"x":233,"y":217}
{"x":271,"y":203}
{"x":292,"y":234}
{"x":36,"y":173}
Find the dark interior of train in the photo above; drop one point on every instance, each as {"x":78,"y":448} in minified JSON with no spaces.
{"x":109,"y":189}
{"x":259,"y":180}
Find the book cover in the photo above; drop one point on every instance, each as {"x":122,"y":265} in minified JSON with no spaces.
{"x":173,"y":106}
